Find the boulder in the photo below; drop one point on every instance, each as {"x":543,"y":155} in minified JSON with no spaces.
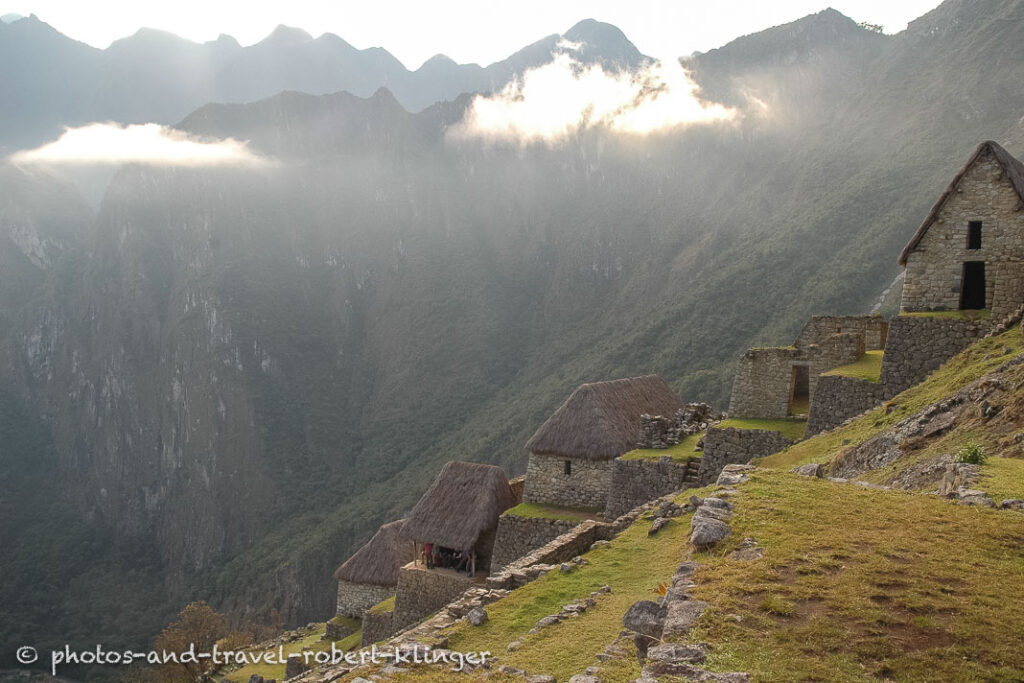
{"x":673,"y":652}
{"x":477,"y":616}
{"x":809,"y":470}
{"x":645,"y":617}
{"x":1012,"y":504}
{"x":295,"y":666}
{"x":706,"y":532}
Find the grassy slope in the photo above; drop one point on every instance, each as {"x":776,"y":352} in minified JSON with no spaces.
{"x":534,"y":510}
{"x":791,"y":429}
{"x":276,"y":671}
{"x":856,"y":584}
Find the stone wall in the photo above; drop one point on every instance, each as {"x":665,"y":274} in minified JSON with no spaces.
{"x":517,"y":485}
{"x":763,"y":383}
{"x":839,"y":398}
{"x":637,"y":481}
{"x":764,"y":380}
{"x":919,"y":345}
{"x":518,"y":536}
{"x":377,"y":627}
{"x":421,"y":592}
{"x":732,"y":446}
{"x":355,"y":598}
{"x":872,"y":328}
{"x":585,"y":487}
{"x":935,"y":266}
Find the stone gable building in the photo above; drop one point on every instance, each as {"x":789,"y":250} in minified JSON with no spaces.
{"x":969,"y":251}
{"x":572,"y":455}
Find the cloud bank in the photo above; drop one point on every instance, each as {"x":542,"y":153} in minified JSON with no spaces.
{"x":150,"y":143}
{"x":554,"y":101}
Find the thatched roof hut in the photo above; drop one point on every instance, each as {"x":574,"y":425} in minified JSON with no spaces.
{"x":601,"y":420}
{"x":462,"y":504}
{"x":1011,"y":166}
{"x":379,"y":560}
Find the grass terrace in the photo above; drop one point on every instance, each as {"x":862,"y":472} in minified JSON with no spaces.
{"x":276,"y":671}
{"x":681,"y":452}
{"x":539,"y":511}
{"x":867,"y":367}
{"x":791,"y":429}
{"x":981,"y":314}
{"x":383,"y":606}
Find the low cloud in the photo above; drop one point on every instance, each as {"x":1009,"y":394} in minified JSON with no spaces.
{"x":554,"y":101}
{"x":150,"y":143}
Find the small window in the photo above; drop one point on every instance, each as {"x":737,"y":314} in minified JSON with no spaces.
{"x":974,"y":235}
{"x":568,"y":467}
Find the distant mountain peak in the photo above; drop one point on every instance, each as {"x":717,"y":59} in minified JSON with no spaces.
{"x":12,"y":17}
{"x":287,"y":35}
{"x":605,"y":43}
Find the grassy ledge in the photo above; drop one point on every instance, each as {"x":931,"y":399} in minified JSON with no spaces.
{"x":685,"y":450}
{"x":867,"y":367}
{"x":383,"y":606}
{"x":538,"y":511}
{"x":791,"y":429}
{"x":982,"y":314}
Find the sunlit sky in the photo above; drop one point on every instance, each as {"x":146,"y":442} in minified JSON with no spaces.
{"x":465,"y":30}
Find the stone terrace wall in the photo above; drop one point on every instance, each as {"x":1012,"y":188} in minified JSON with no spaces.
{"x":377,"y":627}
{"x":919,"y":345}
{"x":422,"y":592}
{"x":518,"y":536}
{"x":732,"y":446}
{"x":763,"y":382}
{"x":586,"y":487}
{"x":355,"y":598}
{"x":840,"y":398}
{"x":873,"y":329}
{"x":637,"y":481}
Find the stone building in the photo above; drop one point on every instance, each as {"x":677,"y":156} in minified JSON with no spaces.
{"x":460,"y":510}
{"x":370,"y":575}
{"x":572,"y":455}
{"x":969,"y":251}
{"x":779,"y":382}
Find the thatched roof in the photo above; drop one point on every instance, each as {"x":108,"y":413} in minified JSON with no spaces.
{"x":601,"y":420}
{"x":1013,"y":168}
{"x":465,"y":500}
{"x":378,"y":561}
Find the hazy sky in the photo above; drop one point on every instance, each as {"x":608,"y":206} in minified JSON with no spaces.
{"x":465,"y":30}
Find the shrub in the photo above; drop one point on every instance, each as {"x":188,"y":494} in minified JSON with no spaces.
{"x":972,"y":454}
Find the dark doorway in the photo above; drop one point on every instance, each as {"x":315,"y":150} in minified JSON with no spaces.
{"x":800,"y":391}
{"x":972,"y":296}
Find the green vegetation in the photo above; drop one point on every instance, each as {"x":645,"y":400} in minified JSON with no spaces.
{"x":349,"y":622}
{"x":972,"y":454}
{"x":276,"y":671}
{"x":868,"y":366}
{"x":791,"y":429}
{"x":981,"y":314}
{"x":383,"y":606}
{"x":685,"y":450}
{"x":880,"y":600}
{"x":536,"y":510}
{"x":570,"y":647}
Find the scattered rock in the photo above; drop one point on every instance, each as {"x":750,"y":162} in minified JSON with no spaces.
{"x":477,"y":616}
{"x":294,"y":666}
{"x":974,"y":497}
{"x":682,"y":615}
{"x":513,"y":646}
{"x":541,"y":678}
{"x":584,"y":678}
{"x":549,"y":620}
{"x":511,"y":670}
{"x":748,"y":550}
{"x":810,"y":470}
{"x":689,"y":672}
{"x":599,"y":544}
{"x":672,"y":652}
{"x":645,"y":617}
{"x":657,"y":525}
{"x":731,"y":478}
{"x":706,"y":532}
{"x":565,"y":568}
{"x":1012,"y":504}
{"x":717,"y":503}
